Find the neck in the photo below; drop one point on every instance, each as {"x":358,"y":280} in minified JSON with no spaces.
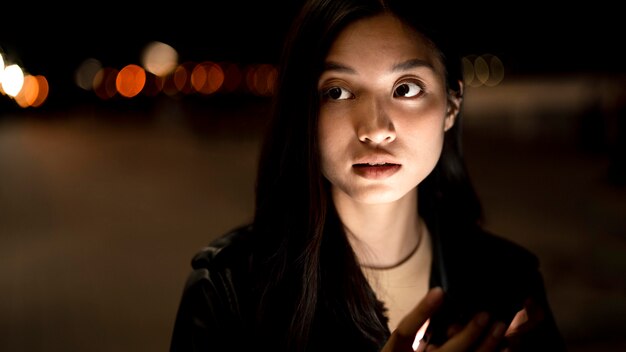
{"x":381,"y":235}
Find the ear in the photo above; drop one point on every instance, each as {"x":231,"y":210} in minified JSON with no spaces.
{"x":455,"y":98}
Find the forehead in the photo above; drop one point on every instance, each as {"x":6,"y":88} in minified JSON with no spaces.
{"x":383,"y":35}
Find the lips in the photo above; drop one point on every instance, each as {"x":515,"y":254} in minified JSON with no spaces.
{"x":375,"y":170}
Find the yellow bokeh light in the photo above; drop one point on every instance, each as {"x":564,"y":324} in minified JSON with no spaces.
{"x":12,"y":80}
{"x":159,"y":58}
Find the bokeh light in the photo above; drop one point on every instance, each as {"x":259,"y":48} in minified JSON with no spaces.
{"x":159,"y":58}
{"x":12,"y":80}
{"x":482,"y":70}
{"x":130,"y":80}
{"x":1,"y":69}
{"x":207,"y":77}
{"x":468,"y":70}
{"x":263,"y":79}
{"x":104,"y":83}
{"x":496,"y":69}
{"x":34,"y":91}
{"x":86,"y":73}
{"x":182,"y":77}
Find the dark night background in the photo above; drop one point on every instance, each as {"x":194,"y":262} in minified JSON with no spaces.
{"x":103,"y":203}
{"x":530,"y":37}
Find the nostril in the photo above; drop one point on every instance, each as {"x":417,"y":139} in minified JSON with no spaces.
{"x":377,"y":138}
{"x":376,"y":131}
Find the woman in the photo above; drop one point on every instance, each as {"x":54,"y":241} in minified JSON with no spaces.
{"x":366,"y":227}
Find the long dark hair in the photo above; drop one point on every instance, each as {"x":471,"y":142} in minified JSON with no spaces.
{"x":307,"y":270}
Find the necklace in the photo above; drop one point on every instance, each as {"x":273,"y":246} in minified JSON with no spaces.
{"x":402,"y":261}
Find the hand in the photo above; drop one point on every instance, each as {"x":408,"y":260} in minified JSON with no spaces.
{"x":464,"y":339}
{"x":478,"y":335}
{"x":403,"y":336}
{"x":524,"y":321}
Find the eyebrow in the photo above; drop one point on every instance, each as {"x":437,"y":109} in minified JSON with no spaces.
{"x":413,"y":63}
{"x":402,"y":66}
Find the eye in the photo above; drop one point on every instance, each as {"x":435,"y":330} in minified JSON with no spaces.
{"x":408,"y":90}
{"x":337,"y":93}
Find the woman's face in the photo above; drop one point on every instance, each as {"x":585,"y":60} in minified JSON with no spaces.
{"x":383,"y":111}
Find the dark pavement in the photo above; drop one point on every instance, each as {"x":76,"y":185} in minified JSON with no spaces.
{"x":101,"y":209}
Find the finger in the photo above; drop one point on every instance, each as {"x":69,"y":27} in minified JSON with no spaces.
{"x":467,"y":337}
{"x":416,"y":318}
{"x":534,"y":311}
{"x":526,"y":319}
{"x":419,"y":345}
{"x":520,"y":318}
{"x":454,"y":329}
{"x":402,"y":343}
{"x":493,"y":338}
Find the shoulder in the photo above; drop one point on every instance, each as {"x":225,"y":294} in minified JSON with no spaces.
{"x":221,"y":271}
{"x":232,"y":249}
{"x":494,"y":247}
{"x":472,"y":248}
{"x":215,"y":301}
{"x":220,"y":279}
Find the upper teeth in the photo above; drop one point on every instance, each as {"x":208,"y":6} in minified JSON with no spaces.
{"x":376,"y":163}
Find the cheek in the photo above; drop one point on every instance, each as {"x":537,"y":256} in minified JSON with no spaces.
{"x":427,"y":114}
{"x":329,"y":137}
{"x":423,"y":128}
{"x":423,"y":140}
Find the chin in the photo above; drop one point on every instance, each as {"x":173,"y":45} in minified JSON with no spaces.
{"x":377,"y":197}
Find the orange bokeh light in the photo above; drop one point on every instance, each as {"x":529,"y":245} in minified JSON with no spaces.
{"x":130,"y":80}
{"x":33,"y":93}
{"x":104,"y":83}
{"x":207,"y":77}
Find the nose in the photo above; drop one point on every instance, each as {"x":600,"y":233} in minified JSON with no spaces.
{"x":375,"y":126}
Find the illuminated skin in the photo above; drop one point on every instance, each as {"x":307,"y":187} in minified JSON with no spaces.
{"x":383,"y":101}
{"x":384,"y":110}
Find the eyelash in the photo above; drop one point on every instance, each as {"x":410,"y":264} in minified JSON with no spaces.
{"x":406,"y":83}
{"x":328,"y":92}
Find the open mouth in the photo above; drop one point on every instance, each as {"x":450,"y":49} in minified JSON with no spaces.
{"x":375,"y":170}
{"x":375,"y":165}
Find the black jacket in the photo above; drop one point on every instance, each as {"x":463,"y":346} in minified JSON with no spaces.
{"x":478,"y":271}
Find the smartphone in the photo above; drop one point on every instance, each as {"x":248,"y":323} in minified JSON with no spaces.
{"x":460,"y":306}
